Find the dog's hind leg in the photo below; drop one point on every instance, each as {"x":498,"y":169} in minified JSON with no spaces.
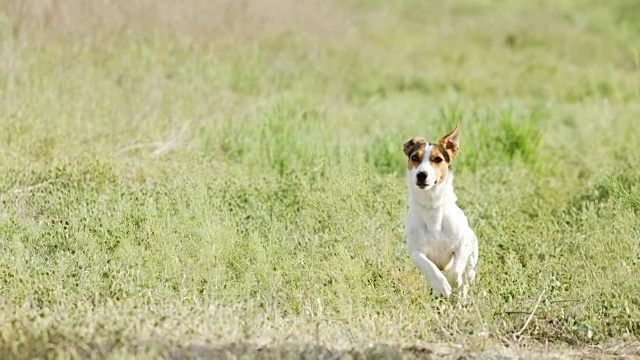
{"x":463,"y":256}
{"x":470,"y":271}
{"x":473,"y":261}
{"x":465,"y":291}
{"x":469,"y":275}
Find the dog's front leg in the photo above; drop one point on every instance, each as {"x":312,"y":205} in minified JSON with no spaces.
{"x":431,"y":272}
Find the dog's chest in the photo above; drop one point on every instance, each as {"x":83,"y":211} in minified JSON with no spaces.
{"x":432,"y":221}
{"x":432,"y":233}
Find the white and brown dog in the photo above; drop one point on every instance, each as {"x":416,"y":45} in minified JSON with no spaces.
{"x":442,"y":245}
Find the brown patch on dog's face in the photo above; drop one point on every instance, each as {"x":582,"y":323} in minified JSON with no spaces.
{"x":429,"y":164}
{"x":414,"y":149}
{"x":440,"y":161}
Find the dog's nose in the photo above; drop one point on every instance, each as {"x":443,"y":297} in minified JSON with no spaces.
{"x":422,"y":176}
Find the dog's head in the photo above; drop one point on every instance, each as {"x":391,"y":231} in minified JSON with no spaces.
{"x":428,"y":163}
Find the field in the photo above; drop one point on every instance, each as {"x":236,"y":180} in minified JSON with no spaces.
{"x":199,"y":178}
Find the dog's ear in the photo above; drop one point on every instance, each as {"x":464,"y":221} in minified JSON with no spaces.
{"x":411,"y":143}
{"x":451,"y":141}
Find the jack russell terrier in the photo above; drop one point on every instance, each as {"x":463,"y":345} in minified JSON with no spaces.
{"x":442,"y":245}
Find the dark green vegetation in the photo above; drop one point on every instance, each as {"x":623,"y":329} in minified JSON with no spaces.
{"x":188,"y":174}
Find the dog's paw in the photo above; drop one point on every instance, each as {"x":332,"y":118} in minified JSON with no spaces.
{"x":471,"y":275}
{"x":459,"y":281}
{"x":456,"y":278}
{"x":442,"y":287}
{"x":465,"y":291}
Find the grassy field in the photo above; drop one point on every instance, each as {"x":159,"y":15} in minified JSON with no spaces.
{"x":194,"y":178}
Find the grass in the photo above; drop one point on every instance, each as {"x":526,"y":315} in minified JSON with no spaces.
{"x":203,"y":178}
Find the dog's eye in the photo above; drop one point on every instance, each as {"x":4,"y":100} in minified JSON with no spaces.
{"x":415,"y":158}
{"x":437,"y":160}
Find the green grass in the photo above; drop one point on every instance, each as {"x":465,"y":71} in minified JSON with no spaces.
{"x":175,"y":178}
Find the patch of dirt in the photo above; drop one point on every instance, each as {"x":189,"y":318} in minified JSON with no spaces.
{"x":382,"y":351}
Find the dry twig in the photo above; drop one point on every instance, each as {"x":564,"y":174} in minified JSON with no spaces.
{"x":526,"y":323}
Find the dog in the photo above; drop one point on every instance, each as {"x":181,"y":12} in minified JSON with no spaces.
{"x":441,"y":243}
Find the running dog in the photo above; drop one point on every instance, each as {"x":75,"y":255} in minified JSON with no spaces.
{"x":441,"y":243}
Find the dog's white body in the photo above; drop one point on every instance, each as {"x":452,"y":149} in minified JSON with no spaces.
{"x":441,"y":243}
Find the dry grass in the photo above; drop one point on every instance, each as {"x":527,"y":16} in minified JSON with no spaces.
{"x":204,"y":20}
